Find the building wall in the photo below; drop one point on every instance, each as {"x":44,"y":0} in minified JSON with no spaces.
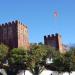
{"x":23,"y":40}
{"x":12,"y":34}
{"x":55,"y":41}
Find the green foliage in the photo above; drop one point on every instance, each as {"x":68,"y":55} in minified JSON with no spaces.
{"x":72,"y":51}
{"x":18,"y":55}
{"x":3,"y":51}
{"x":58,"y":62}
{"x":35,"y":58}
{"x":38,"y":52}
{"x":52,"y":52}
{"x":65,"y":62}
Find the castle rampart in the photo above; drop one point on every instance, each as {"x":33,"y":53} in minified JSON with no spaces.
{"x":13,"y":34}
{"x":54,"y":40}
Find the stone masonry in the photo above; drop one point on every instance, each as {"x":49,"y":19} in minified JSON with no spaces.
{"x":14,"y":34}
{"x":55,"y":41}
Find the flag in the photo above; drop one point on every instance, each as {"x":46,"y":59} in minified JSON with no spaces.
{"x":55,"y":13}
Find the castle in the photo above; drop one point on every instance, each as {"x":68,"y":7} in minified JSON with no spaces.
{"x":14,"y":34}
{"x":55,"y":41}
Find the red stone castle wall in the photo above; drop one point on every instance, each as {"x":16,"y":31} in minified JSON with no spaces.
{"x":12,"y":34}
{"x":23,"y":40}
{"x":54,"y":41}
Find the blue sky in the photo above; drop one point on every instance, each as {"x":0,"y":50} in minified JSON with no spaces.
{"x":38,"y":15}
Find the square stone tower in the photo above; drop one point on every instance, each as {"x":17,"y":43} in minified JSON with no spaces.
{"x":55,"y":41}
{"x":14,"y":34}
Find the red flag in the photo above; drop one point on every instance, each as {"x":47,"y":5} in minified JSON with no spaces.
{"x":55,"y":13}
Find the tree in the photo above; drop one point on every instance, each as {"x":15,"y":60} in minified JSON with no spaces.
{"x":72,"y":52}
{"x":37,"y":58}
{"x":68,"y":62}
{"x":34,"y":58}
{"x":58,"y":62}
{"x":3,"y":52}
{"x":64,"y":62}
{"x":53,"y":55}
{"x":17,"y":60}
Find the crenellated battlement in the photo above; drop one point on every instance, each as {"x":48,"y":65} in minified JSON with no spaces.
{"x":18,"y":22}
{"x":52,"y":35}
{"x":13,"y":23}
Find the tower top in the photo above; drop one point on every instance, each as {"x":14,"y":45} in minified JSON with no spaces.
{"x":13,"y":22}
{"x":54,"y":40}
{"x":53,"y":35}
